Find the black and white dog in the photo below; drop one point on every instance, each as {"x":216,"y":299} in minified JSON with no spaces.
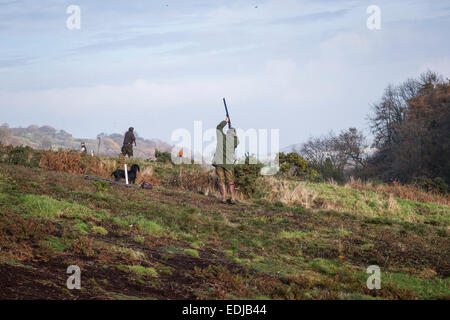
{"x":120,"y":174}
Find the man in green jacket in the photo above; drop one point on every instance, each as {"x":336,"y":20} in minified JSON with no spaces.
{"x":224,"y":159}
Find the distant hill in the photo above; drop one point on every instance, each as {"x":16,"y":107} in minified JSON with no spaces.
{"x":47,"y":137}
{"x":292,"y":148}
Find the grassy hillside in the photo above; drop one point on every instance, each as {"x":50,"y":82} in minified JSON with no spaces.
{"x":293,"y":241}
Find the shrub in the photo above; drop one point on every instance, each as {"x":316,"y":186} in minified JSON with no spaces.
{"x":164,"y":157}
{"x":293,"y":164}
{"x":437,"y":184}
{"x":246,"y":177}
{"x":83,"y":246}
{"x":22,"y":155}
{"x":74,"y":162}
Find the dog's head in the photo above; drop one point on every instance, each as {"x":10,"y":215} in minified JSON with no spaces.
{"x":135,"y":168}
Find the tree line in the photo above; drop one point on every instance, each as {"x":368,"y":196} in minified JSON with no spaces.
{"x":410,"y":126}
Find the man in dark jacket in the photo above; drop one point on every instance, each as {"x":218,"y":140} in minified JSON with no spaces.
{"x":127,"y":148}
{"x":224,"y":159}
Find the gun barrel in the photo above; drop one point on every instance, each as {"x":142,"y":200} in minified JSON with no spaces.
{"x":226,"y":110}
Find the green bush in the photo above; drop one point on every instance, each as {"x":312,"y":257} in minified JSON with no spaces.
{"x":293,"y":164}
{"x":164,"y":157}
{"x":24,"y":156}
{"x":246,"y":176}
{"x":432,"y":184}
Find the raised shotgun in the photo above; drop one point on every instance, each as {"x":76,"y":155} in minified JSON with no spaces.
{"x":228,"y":115}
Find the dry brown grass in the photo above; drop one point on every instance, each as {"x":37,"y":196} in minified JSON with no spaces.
{"x":188,"y":179}
{"x":148,"y":176}
{"x":409,"y":192}
{"x":76,"y":163}
{"x":288,"y":192}
{"x":360,"y":200}
{"x":19,"y":236}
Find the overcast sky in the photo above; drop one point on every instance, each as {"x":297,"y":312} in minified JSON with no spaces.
{"x":304,"y":67}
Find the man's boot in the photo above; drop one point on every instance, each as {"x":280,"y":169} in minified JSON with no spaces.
{"x":223,"y":194}
{"x":233,"y":194}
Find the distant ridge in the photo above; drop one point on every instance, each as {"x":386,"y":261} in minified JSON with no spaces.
{"x":47,"y":137}
{"x":292,"y":148}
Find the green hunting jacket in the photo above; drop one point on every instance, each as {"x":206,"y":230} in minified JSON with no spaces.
{"x":226,"y":144}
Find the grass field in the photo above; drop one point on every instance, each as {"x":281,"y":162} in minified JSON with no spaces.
{"x":301,"y":241}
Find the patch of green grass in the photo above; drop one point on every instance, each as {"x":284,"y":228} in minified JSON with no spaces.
{"x":81,"y":227}
{"x":57,"y":244}
{"x":191,"y":252}
{"x":341,"y":232}
{"x":99,"y":230}
{"x":139,"y":270}
{"x":144,"y":224}
{"x":327,"y":266}
{"x":295,"y":234}
{"x":45,"y":206}
{"x":376,"y":205}
{"x":197,"y":244}
{"x":101,"y":185}
{"x":435,"y":288}
{"x":97,"y":196}
{"x":149,"y":227}
{"x":229,"y":253}
{"x":425,"y":212}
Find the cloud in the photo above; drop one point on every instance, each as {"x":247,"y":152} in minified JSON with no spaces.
{"x":14,"y":61}
{"x":143,"y":95}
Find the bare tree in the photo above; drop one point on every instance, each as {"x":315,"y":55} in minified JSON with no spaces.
{"x":351,"y":145}
{"x":388,"y":115}
{"x":321,"y":149}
